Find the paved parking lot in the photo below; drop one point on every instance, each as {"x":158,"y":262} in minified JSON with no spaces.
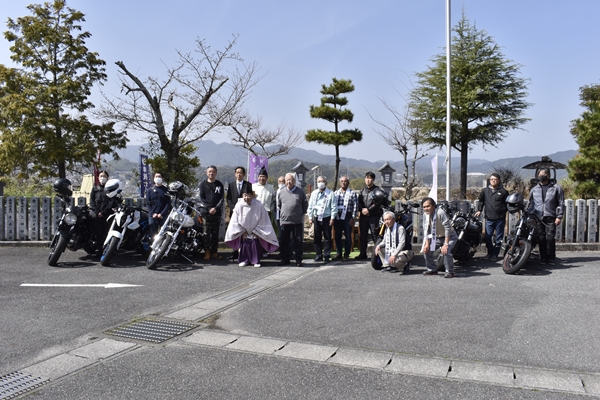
{"x":340,"y":330}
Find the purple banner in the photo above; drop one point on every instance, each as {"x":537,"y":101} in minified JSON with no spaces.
{"x":145,"y":178}
{"x":255,"y":163}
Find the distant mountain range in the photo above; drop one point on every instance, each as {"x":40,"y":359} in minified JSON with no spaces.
{"x":228,"y":155}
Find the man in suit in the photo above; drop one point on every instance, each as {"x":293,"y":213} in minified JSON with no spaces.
{"x":235,"y":190}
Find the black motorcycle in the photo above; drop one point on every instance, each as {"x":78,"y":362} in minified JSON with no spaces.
{"x":128,"y":230}
{"x":75,"y":230}
{"x":182,"y":230}
{"x":519,"y":243}
{"x":403,"y":217}
{"x":469,"y":231}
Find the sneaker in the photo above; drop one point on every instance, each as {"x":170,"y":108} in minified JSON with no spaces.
{"x":337,"y":258}
{"x":385,"y":267}
{"x":390,"y":269}
{"x":427,"y":273}
{"x":283,"y":262}
{"x":488,"y":256}
{"x":361,"y":257}
{"x":243,"y":264}
{"x":319,"y":258}
{"x":551,"y":261}
{"x":494,"y":258}
{"x":406,"y":269}
{"x":256,"y":265}
{"x":448,"y":275}
{"x":326,"y":260}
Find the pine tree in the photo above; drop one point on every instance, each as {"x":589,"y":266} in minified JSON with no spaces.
{"x":332,"y":110}
{"x":487,"y":95}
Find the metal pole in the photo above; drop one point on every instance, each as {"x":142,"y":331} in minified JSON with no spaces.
{"x":448,"y":99}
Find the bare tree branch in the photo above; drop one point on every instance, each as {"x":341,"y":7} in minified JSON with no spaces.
{"x":248,"y":133}
{"x":403,"y":134}
{"x":203,"y":92}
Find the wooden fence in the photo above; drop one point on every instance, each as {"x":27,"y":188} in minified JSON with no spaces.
{"x":34,"y":218}
{"x":579,"y":225}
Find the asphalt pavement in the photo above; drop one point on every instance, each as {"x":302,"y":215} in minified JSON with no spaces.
{"x":340,"y":330}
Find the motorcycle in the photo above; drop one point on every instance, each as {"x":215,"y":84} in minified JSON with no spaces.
{"x":128,"y":229}
{"x":75,"y":230}
{"x":519,"y":243}
{"x":182,"y":230}
{"x":469,"y":231}
{"x":403,"y":217}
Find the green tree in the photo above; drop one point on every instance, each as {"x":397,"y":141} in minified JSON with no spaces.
{"x":331,"y":110}
{"x":584,"y":168}
{"x":488,"y":96}
{"x":43,"y":128}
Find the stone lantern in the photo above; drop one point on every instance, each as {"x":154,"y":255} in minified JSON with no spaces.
{"x":387,"y":175}
{"x":300,"y":171}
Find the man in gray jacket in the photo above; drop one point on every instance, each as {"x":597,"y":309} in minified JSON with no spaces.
{"x":547,"y":200}
{"x":292,"y":204}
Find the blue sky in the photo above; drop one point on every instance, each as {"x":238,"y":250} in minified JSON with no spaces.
{"x":379,"y":44}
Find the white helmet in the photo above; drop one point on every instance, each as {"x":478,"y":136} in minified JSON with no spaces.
{"x":112,"y":188}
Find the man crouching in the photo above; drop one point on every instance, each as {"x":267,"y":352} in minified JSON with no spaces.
{"x":391,"y":250}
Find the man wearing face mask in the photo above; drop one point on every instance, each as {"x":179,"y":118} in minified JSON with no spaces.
{"x":159,"y":204}
{"x":547,"y":200}
{"x":320,"y":210}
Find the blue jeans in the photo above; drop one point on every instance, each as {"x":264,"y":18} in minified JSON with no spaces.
{"x":494,"y":228}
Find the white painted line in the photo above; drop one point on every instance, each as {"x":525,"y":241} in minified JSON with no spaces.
{"x":103,"y":285}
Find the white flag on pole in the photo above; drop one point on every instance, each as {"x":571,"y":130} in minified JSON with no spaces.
{"x":434,"y":168}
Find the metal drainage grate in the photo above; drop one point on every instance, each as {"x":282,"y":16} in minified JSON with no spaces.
{"x":242,"y":293}
{"x":151,"y":330}
{"x":18,"y":383}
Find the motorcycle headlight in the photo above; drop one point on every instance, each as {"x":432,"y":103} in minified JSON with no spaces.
{"x":70,"y":219}
{"x":178,"y":218}
{"x":531,"y":224}
{"x":460,"y":222}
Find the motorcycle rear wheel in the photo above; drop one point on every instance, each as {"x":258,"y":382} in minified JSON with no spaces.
{"x":516,"y":257}
{"x":109,"y":251}
{"x":162,"y":243}
{"x":57,"y":247}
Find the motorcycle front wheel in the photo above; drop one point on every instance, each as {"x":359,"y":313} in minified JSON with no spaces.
{"x":375,"y":260}
{"x":158,"y":251}
{"x":58,"y":246}
{"x":516,"y":257}
{"x":109,"y":251}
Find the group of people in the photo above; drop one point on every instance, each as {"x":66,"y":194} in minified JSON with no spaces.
{"x":263,"y":218}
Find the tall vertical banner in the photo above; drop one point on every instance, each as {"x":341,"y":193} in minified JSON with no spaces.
{"x":255,"y":163}
{"x":96,"y":170}
{"x":145,"y":179}
{"x":434,"y":185}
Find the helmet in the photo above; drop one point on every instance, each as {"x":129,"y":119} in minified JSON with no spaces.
{"x":112,"y":188}
{"x":380,"y":197}
{"x":62,"y":186}
{"x":179,"y":188}
{"x":514,"y":202}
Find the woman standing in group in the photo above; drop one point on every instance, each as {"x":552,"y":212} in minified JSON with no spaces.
{"x":438,"y":233}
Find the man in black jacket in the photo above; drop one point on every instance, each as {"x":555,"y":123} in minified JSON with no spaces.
{"x":211,"y":204}
{"x":493,"y":197}
{"x":370,"y":212}
{"x":235,"y":190}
